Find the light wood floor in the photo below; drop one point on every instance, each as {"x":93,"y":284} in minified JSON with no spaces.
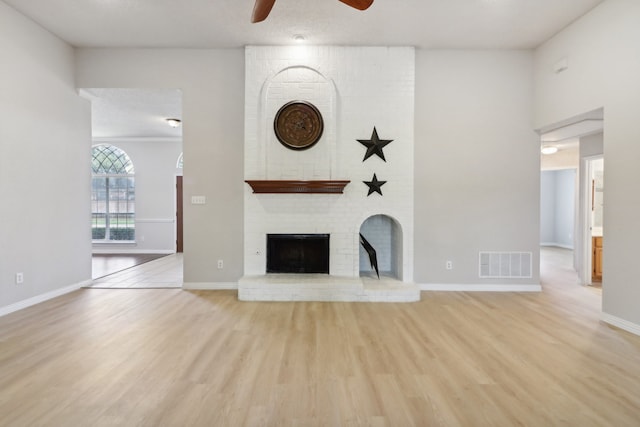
{"x":167,"y":357}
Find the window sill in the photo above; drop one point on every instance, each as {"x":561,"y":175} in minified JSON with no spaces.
{"x":114,"y":242}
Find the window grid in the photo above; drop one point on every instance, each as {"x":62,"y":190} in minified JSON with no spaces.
{"x":110,"y":160}
{"x":113,"y":195}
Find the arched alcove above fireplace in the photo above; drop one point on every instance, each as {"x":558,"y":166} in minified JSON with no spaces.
{"x":308,"y":85}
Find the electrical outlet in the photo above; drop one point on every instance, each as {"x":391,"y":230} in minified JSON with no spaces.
{"x":449,"y":265}
{"x":19,"y":278}
{"x":220,"y":264}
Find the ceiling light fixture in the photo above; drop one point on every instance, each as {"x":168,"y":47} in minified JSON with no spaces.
{"x":174,"y":123}
{"x":299,"y":38}
{"x":549,"y":149}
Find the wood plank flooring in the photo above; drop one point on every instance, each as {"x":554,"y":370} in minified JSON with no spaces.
{"x":168,"y":357}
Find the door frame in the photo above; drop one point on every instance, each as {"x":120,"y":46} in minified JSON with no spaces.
{"x":179,"y":215}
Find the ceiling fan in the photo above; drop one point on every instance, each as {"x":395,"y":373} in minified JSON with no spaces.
{"x":263,"y":7}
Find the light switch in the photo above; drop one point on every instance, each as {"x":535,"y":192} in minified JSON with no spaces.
{"x":198,"y":200}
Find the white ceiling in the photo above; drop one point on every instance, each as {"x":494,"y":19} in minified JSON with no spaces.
{"x":471,"y":24}
{"x":134,"y":113}
{"x":504,"y":24}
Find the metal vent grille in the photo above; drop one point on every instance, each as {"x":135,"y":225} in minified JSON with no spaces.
{"x":505,"y":265}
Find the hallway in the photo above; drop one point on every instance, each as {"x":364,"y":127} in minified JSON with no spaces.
{"x":557,"y":274}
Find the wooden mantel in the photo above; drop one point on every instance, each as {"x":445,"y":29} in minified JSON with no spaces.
{"x":296,"y":186}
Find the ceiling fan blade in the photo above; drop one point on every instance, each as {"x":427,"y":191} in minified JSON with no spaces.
{"x":261,"y":10}
{"x":358,"y":4}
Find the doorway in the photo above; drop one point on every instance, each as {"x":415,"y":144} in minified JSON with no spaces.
{"x":572,"y":143}
{"x":593,"y":219}
{"x":146,"y":124}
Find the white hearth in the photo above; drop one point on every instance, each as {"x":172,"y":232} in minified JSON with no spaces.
{"x":322,"y":287}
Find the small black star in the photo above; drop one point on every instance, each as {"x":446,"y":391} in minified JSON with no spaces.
{"x":374,"y":185}
{"x":374,"y":145}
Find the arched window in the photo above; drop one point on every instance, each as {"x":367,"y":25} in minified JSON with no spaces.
{"x":180,"y":162}
{"x":112,"y":195}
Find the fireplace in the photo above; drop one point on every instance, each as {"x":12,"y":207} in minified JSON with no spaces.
{"x":298,"y":253}
{"x":303,"y":192}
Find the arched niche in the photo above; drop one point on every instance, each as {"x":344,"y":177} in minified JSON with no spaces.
{"x":384,"y":233}
{"x":297,"y":83}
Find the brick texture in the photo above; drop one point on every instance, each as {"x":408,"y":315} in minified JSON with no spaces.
{"x":355,"y":89}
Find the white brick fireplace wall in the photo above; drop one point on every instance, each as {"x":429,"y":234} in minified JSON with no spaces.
{"x":355,"y":89}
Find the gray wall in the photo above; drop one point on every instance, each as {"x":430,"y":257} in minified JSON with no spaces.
{"x":474,"y":136}
{"x":547,"y":207}
{"x":45,"y":145}
{"x":557,"y":207}
{"x":477,"y":163}
{"x":212,"y":84}
{"x":604,"y":65}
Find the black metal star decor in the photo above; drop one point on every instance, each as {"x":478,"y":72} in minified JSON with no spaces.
{"x":374,"y":185}
{"x":374,"y":145}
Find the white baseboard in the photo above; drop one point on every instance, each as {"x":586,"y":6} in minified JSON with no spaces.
{"x":41,"y":298}
{"x":210,"y":286}
{"x":131,"y":251}
{"x":484,"y":287}
{"x":556,"y":245}
{"x":621,"y":323}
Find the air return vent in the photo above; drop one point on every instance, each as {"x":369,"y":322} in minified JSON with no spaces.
{"x":505,"y":265}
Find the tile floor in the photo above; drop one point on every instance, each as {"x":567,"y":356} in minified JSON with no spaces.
{"x":165,"y":272}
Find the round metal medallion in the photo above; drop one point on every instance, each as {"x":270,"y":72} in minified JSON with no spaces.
{"x":298,"y":125}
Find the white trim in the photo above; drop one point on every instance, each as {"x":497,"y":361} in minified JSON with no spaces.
{"x":155,"y":220}
{"x":488,"y":287}
{"x":132,"y":251}
{"x":621,"y":323}
{"x":104,"y":139}
{"x":556,"y":245}
{"x":210,"y":286}
{"x":42,"y":298}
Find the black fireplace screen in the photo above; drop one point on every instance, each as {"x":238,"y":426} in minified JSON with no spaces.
{"x":298,"y":253}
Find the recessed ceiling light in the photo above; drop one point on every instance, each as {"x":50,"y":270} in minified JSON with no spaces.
{"x":174,"y":123}
{"x":549,"y":149}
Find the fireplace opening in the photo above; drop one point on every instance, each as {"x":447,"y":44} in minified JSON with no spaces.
{"x":298,"y":253}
